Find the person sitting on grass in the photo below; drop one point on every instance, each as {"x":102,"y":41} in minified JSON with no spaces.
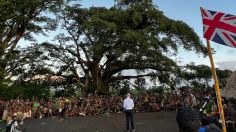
{"x":188,"y":120}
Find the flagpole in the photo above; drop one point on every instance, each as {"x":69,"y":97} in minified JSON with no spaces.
{"x":217,"y":88}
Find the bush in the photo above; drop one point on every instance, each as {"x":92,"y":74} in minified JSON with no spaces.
{"x":24,"y":91}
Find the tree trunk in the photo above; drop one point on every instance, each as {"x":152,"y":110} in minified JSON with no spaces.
{"x":102,"y":87}
{"x":96,"y":72}
{"x":99,"y":84}
{"x":85,"y":87}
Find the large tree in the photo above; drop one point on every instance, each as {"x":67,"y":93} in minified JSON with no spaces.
{"x":102,"y":43}
{"x":21,"y":19}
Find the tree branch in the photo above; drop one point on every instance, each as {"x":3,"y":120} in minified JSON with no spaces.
{"x":131,"y":77}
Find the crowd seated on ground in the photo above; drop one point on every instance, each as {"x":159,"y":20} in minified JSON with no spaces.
{"x":65,"y":107}
{"x":69,"y":107}
{"x":91,"y":105}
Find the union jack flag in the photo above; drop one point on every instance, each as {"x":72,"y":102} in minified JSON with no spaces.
{"x":219,"y":27}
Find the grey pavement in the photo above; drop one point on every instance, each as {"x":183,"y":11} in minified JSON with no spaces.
{"x":144,"y":122}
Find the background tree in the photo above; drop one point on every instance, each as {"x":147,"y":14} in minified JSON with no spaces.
{"x":230,"y":91}
{"x":200,"y":76}
{"x":125,"y":88}
{"x":22,"y":19}
{"x":100,"y":48}
{"x":103,"y":43}
{"x":140,"y":84}
{"x":25,"y":91}
{"x":223,"y":75}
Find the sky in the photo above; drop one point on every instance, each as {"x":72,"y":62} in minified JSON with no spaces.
{"x":188,"y":11}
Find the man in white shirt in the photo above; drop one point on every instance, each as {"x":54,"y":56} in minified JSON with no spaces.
{"x":128,"y":106}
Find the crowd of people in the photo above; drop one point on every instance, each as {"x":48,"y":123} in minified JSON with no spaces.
{"x":188,"y":120}
{"x":67,"y":107}
{"x":92,"y":105}
{"x":206,"y":118}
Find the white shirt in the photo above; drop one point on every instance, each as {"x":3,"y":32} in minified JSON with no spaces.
{"x":128,"y":104}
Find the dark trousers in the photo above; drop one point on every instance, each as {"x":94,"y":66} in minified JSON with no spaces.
{"x":129,"y":118}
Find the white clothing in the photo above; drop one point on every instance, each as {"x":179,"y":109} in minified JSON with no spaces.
{"x":14,"y":126}
{"x":128,"y":104}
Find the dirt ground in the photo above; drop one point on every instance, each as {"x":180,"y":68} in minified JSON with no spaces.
{"x":144,"y":122}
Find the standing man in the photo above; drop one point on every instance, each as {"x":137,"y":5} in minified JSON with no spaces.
{"x":128,"y":106}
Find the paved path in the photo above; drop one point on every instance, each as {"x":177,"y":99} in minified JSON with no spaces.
{"x":144,"y":122}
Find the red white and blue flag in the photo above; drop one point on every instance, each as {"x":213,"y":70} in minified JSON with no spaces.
{"x":219,"y":27}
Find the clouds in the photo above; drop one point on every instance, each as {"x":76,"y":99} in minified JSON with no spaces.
{"x":230,"y":65}
{"x":231,"y":51}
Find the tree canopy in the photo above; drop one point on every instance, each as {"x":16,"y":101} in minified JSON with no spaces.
{"x":102,"y":43}
{"x":96,"y":47}
{"x":200,"y":76}
{"x":22,"y":19}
